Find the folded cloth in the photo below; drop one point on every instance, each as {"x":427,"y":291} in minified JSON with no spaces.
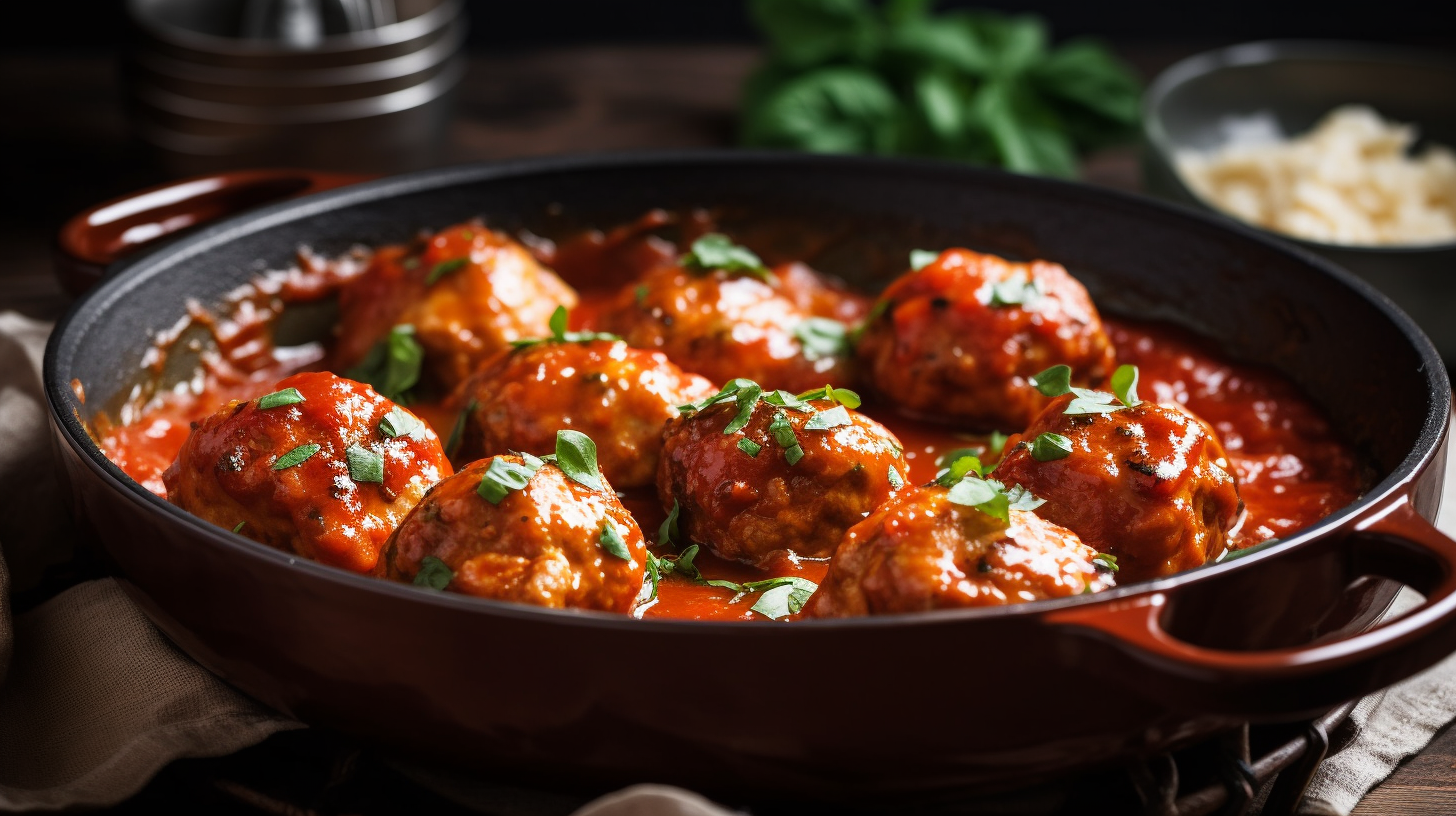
{"x":94,"y":700}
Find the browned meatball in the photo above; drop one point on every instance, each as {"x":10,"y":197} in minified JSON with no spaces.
{"x":1150,"y":484}
{"x":611,"y":392}
{"x":920,"y":551}
{"x":956,"y":340}
{"x":546,"y":543}
{"x":776,"y":329}
{"x":781,"y":482}
{"x":468,"y":293}
{"x":323,"y":467}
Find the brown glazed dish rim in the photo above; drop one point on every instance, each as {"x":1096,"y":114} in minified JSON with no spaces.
{"x":58,"y":393}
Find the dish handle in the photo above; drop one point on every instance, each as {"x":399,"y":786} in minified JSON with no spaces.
{"x":1392,"y":542}
{"x":95,"y":238}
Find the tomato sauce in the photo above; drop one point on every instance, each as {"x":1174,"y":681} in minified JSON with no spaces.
{"x":1292,"y":468}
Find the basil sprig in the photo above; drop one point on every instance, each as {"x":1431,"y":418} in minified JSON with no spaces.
{"x":559,"y":334}
{"x":278,"y":399}
{"x":1050,"y":446}
{"x":392,"y":366}
{"x":1056,"y":381}
{"x":576,"y":456}
{"x":504,"y":476}
{"x":717,"y":251}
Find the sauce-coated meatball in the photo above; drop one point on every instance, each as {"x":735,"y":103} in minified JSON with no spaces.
{"x":1150,"y":484}
{"x":752,"y":505}
{"x":542,"y":544}
{"x":724,"y":325}
{"x":956,"y":340}
{"x":328,"y":477}
{"x":607,"y":390}
{"x":468,"y":293}
{"x":920,"y":551}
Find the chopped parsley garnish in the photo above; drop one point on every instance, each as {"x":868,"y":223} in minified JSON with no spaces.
{"x":365,"y":465}
{"x":843,"y":396}
{"x":1017,"y":290}
{"x":433,"y":574}
{"x":746,"y":399}
{"x":717,"y":251}
{"x":831,"y":418}
{"x":297,"y":456}
{"x":457,"y":433}
{"x":239,"y":527}
{"x":399,"y":422}
{"x":1056,"y":381}
{"x":667,"y":533}
{"x":1053,"y":382}
{"x":921,"y":258}
{"x":955,"y":465}
{"x":576,"y":456}
{"x":392,"y":366}
{"x":783,"y":434}
{"x":781,"y":596}
{"x":896,"y":480}
{"x":730,"y":391}
{"x":444,"y":268}
{"x":559,"y":334}
{"x":749,"y":447}
{"x":278,"y":399}
{"x":503,"y":476}
{"x":612,"y":542}
{"x":1105,"y":561}
{"x":822,"y":337}
{"x":784,"y":599}
{"x":989,"y":495}
{"x":1051,"y":446}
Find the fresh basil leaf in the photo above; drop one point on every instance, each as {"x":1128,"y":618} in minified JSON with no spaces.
{"x":1019,"y":498}
{"x":717,"y":251}
{"x":831,"y":418}
{"x":502,"y":477}
{"x":985,"y":495}
{"x":845,"y":397}
{"x":1053,"y":382}
{"x":557,"y":325}
{"x":612,"y":542}
{"x":833,"y":109}
{"x":964,"y":462}
{"x":433,"y":574}
{"x":747,"y":400}
{"x":921,"y":258}
{"x":457,"y":433}
{"x":668,"y":532}
{"x":365,"y":465}
{"x":1105,"y":561}
{"x":821,"y":337}
{"x":1088,"y":401}
{"x":557,"y":322}
{"x":996,"y":443}
{"x":785,"y":599}
{"x":532,"y":461}
{"x":1088,"y":76}
{"x":749,"y":447}
{"x":784,"y":399}
{"x":576,"y":455}
{"x":399,"y":422}
{"x":730,"y":391}
{"x":1017,"y":290}
{"x":278,"y":399}
{"x":444,"y":268}
{"x":684,"y":563}
{"x":1051,"y":446}
{"x":297,"y":456}
{"x":392,"y":366}
{"x":654,"y":578}
{"x":896,"y":481}
{"x":1124,"y":385}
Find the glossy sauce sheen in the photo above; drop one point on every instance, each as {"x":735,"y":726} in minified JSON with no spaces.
{"x":1291,"y":467}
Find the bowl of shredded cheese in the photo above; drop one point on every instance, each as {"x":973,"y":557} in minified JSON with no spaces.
{"x":1348,"y":149}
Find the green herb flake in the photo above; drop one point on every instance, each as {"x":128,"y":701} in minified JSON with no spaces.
{"x":640,"y":293}
{"x":876,"y":312}
{"x":749,"y":447}
{"x":576,"y":456}
{"x":557,"y":325}
{"x":433,"y":574}
{"x":896,"y":480}
{"x":612,"y":542}
{"x":717,"y":251}
{"x":1051,"y":446}
{"x":729,"y":391}
{"x":992,"y":497}
{"x":365,"y":465}
{"x":1124,"y":385}
{"x":843,"y":396}
{"x":1106,"y":562}
{"x":746,"y":399}
{"x":392,"y":366}
{"x":1086,"y":401}
{"x":684,"y":563}
{"x":832,"y":418}
{"x":457,"y":432}
{"x":996,"y":443}
{"x":297,"y":456}
{"x":821,"y":337}
{"x":278,"y":399}
{"x":668,"y":533}
{"x":399,"y":422}
{"x":1053,"y":382}
{"x":956,"y":465}
{"x":239,"y":527}
{"x":444,"y":268}
{"x":785,"y":599}
{"x":1017,"y":290}
{"x":793,"y":454}
{"x":921,"y":258}
{"x":504,"y":476}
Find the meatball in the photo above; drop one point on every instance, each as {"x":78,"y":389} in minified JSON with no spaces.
{"x":957,"y":339}
{"x":783,"y":330}
{"x":921,"y":551}
{"x":607,"y":390}
{"x":323,"y":467}
{"x":787,"y":480}
{"x":468,"y":293}
{"x":1150,"y":484}
{"x":554,"y":542}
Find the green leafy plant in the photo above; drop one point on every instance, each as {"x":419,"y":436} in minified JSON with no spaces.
{"x":849,"y":76}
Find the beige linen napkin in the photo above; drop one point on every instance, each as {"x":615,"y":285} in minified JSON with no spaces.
{"x":94,"y":701}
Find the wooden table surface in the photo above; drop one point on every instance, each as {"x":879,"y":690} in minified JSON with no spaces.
{"x":66,"y":146}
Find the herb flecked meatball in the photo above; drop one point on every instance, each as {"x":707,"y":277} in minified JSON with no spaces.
{"x":1150,"y":483}
{"x":611,"y":392}
{"x":955,"y":340}
{"x":922,"y":551}
{"x":518,"y":529}
{"x":754,"y":477}
{"x":468,"y":292}
{"x":323,"y":467}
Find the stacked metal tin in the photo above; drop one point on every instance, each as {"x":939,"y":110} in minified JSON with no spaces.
{"x":347,"y":85}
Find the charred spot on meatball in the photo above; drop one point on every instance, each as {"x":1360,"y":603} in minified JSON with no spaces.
{"x":957,"y":339}
{"x":757,"y":475}
{"x":323,"y":467}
